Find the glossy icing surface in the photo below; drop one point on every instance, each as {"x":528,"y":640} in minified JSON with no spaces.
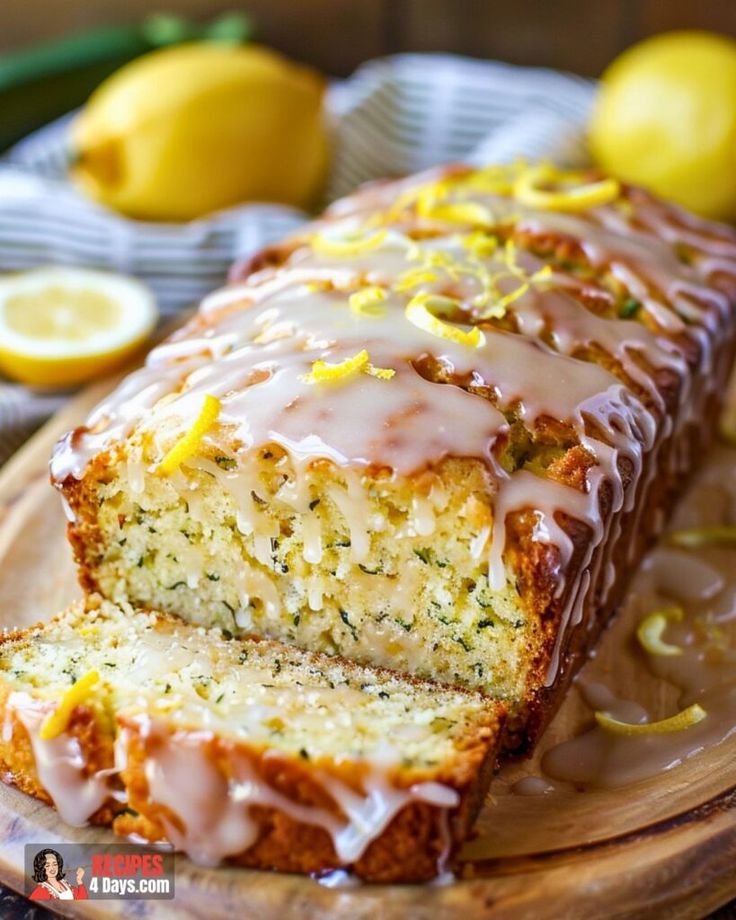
{"x":212,"y":808}
{"x":696,"y":588}
{"x":559,"y":339}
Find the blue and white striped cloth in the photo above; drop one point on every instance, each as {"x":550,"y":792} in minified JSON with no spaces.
{"x":394,"y":116}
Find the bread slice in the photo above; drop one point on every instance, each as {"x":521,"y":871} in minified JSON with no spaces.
{"x":449,"y":417}
{"x":249,"y":751}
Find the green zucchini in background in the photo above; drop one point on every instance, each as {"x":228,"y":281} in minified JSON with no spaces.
{"x":40,"y":83}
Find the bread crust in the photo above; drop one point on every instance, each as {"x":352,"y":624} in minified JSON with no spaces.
{"x":18,"y":763}
{"x":682,"y":422}
{"x":416,"y":841}
{"x":535,"y":564}
{"x":420,"y":838}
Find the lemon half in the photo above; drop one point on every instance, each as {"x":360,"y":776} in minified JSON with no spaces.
{"x":63,"y":326}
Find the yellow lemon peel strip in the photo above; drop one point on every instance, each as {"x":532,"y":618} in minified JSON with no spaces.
{"x":650,"y":631}
{"x":418,"y":313}
{"x":368,"y":302}
{"x":682,"y":720}
{"x":693,"y":537}
{"x":324,"y":372}
{"x":413,"y":278}
{"x":188,"y":444}
{"x":383,"y":373}
{"x":348,"y":246}
{"x":56,"y":722}
{"x":528,"y":190}
{"x":460,"y":212}
{"x":480,"y":244}
{"x":495,"y":179}
{"x":491,"y":296}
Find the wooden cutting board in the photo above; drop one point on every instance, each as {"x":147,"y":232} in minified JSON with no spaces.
{"x":665,"y":847}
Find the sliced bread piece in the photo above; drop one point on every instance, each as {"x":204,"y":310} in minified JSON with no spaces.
{"x":250,"y":751}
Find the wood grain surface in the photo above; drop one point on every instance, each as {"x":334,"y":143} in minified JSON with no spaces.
{"x":662,"y":848}
{"x":338,"y":35}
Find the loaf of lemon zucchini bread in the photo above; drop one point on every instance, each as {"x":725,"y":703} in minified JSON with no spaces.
{"x":248,"y":751}
{"x":434,"y":431}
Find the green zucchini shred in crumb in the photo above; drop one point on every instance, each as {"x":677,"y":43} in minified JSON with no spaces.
{"x":629,"y":308}
{"x":367,"y":571}
{"x":226,"y":463}
{"x":345,"y":617}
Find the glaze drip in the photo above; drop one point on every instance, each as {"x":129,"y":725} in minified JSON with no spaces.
{"x":595,"y":321}
{"x":700,"y":583}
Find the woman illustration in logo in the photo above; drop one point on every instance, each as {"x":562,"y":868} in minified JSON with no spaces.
{"x":48,"y":873}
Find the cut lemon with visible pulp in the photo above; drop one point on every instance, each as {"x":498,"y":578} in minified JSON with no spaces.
{"x":60,"y":326}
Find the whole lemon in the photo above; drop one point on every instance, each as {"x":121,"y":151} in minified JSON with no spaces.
{"x":186,"y":130}
{"x":665,"y":118}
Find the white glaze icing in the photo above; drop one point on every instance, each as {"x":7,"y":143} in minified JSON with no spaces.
{"x":256,"y":341}
{"x":60,"y":763}
{"x":214,"y":811}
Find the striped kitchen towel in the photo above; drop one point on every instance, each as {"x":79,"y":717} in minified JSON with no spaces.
{"x":394,"y":116}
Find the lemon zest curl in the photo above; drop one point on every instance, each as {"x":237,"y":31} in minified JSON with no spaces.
{"x":56,"y":722}
{"x":575,"y":194}
{"x":368,"y":302}
{"x":682,"y":720}
{"x":351,"y":245}
{"x":188,"y":444}
{"x":650,"y":631}
{"x":324,"y":372}
{"x":418,"y":312}
{"x":693,"y":537}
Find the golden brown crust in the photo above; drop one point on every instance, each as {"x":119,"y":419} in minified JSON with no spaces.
{"x":639,"y":528}
{"x":535,"y":564}
{"x":18,"y":763}
{"x":409,"y":849}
